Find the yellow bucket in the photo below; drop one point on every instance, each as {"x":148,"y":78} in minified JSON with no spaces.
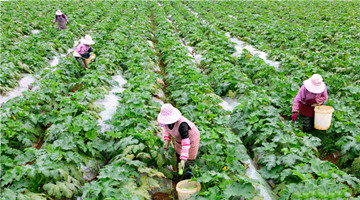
{"x":90,"y":59}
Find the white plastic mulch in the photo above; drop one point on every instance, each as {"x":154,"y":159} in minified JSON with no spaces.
{"x":110,"y":102}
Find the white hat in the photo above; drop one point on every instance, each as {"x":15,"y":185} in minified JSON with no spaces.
{"x":87,"y":40}
{"x":58,"y":12}
{"x":168,"y":114}
{"x":315,"y":84}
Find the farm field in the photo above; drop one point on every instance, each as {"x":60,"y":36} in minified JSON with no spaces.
{"x":232,"y":68}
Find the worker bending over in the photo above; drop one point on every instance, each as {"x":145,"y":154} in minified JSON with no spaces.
{"x":83,"y":51}
{"x":311,"y":94}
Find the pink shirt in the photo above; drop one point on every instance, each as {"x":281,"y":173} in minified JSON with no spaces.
{"x":187,"y":148}
{"x":81,"y":49}
{"x":304,"y":95}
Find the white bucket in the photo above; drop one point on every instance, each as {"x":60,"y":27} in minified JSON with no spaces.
{"x":186,"y":188}
{"x":323,"y":115}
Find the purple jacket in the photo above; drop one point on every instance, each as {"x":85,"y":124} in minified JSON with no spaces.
{"x":63,"y":15}
{"x":304,"y":95}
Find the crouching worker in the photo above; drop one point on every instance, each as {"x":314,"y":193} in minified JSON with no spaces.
{"x":311,"y":94}
{"x":185,"y":133}
{"x":83,"y":51}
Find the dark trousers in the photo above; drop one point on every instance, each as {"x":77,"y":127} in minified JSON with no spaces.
{"x":308,"y":123}
{"x":81,"y":62}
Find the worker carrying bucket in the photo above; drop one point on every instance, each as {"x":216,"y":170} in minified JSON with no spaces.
{"x":61,"y":19}
{"x":83,"y":53}
{"x":185,"y":133}
{"x":312,"y":93}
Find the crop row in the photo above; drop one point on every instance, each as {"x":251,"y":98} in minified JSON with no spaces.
{"x":343,"y":86}
{"x":219,"y":163}
{"x":50,"y":133}
{"x":24,"y":52}
{"x":256,"y":118}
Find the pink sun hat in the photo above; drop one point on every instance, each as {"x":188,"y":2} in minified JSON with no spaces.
{"x":87,"y":40}
{"x":58,"y":12}
{"x":168,"y":114}
{"x":315,"y":84}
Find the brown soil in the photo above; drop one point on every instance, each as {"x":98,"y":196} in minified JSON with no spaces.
{"x":332,"y":157}
{"x":38,"y":144}
{"x":76,"y":88}
{"x":160,"y":196}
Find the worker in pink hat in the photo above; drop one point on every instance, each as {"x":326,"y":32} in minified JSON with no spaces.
{"x":311,"y":94}
{"x":83,"y":51}
{"x":185,"y":133}
{"x":61,"y":19}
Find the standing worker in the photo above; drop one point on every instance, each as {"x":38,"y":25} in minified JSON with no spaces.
{"x":61,"y":19}
{"x":185,"y":133}
{"x":83,"y":51}
{"x":311,"y":94}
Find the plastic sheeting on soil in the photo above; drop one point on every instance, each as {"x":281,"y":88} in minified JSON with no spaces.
{"x":35,"y":31}
{"x":197,"y":57}
{"x":151,"y":44}
{"x":265,"y":190}
{"x":228,"y":103}
{"x":240,"y":45}
{"x":89,"y":173}
{"x":110,"y":102}
{"x":24,"y":83}
{"x":232,"y":17}
{"x":195,"y":13}
{"x":54,"y":62}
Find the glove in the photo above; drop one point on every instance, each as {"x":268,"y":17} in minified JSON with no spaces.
{"x":181,"y":166}
{"x":310,"y":102}
{"x":166,"y":144}
{"x":294,"y":116}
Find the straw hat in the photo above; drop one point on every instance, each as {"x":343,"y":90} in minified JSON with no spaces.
{"x":315,"y":84}
{"x":168,"y":114}
{"x":87,"y":40}
{"x":58,"y":12}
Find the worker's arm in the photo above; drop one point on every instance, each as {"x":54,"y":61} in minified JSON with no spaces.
{"x":322,"y":98}
{"x":300,"y":95}
{"x":185,"y":142}
{"x":65,"y":18}
{"x":166,"y":136}
{"x":54,"y":20}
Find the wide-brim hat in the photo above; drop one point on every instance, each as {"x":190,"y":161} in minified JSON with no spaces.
{"x":87,"y":40}
{"x":168,"y":114}
{"x":315,"y":84}
{"x":58,"y":12}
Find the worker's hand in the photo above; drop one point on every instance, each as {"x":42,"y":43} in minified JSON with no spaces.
{"x":166,"y":144}
{"x":320,"y":100}
{"x":182,"y":164}
{"x":294,"y":116}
